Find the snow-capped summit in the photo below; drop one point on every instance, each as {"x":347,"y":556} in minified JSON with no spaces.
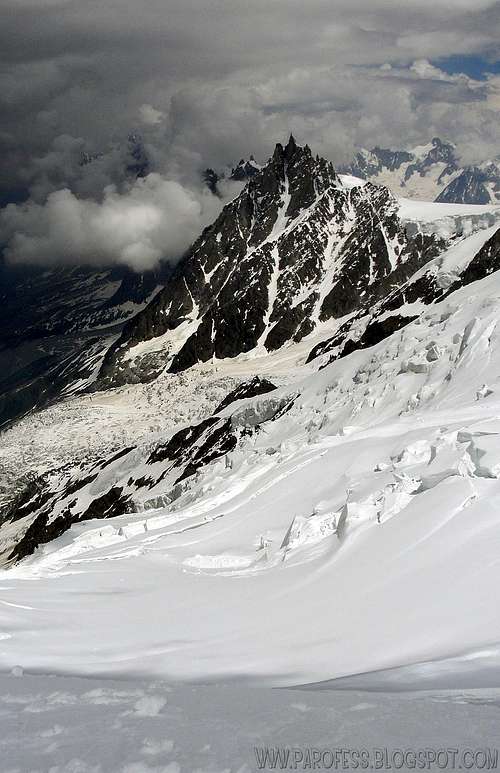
{"x":245,"y":169}
{"x":430,"y":172}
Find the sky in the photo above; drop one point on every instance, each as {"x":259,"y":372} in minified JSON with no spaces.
{"x":475,"y":66}
{"x":206,"y":82}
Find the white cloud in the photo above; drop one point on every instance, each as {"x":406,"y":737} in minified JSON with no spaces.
{"x":156,"y":218}
{"x":150,"y":115}
{"x":424,"y":69}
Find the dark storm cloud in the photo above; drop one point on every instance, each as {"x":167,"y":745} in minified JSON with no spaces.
{"x":208,"y":82}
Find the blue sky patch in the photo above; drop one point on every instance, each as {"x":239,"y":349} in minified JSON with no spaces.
{"x":474,"y":66}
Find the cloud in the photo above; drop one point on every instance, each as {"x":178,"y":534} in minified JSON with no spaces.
{"x":208,"y":83}
{"x":155,"y":219}
{"x":150,"y":116}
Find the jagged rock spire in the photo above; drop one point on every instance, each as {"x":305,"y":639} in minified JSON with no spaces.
{"x":291,"y":147}
{"x":286,"y":152}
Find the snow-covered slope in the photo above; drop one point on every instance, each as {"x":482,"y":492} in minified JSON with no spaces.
{"x":344,"y":523}
{"x":429,"y":172}
{"x":335,"y":515}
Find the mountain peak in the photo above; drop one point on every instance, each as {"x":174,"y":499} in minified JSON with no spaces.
{"x":290,"y":148}
{"x":274,"y":264}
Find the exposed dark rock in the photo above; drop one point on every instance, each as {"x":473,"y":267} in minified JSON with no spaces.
{"x":110,"y":504}
{"x":256,"y":386}
{"x":257,"y":275}
{"x":340,"y":338}
{"x":375,"y":331}
{"x":43,"y":530}
{"x":143,"y":482}
{"x":211,"y":179}
{"x":118,"y":455}
{"x":293,"y":325}
{"x":181,"y":443}
{"x":287,"y":406}
{"x":468,"y":188}
{"x":34,"y":496}
{"x":440,"y":152}
{"x":219,"y":441}
{"x":193,"y":447}
{"x":245,"y":170}
{"x":39,"y":532}
{"x":426,"y":289}
{"x":78,"y":484}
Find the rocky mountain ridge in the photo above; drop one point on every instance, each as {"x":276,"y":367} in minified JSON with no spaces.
{"x":296,"y":248}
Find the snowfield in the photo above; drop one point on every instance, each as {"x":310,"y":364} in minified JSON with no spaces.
{"x":448,"y":220}
{"x":72,"y":725}
{"x":83,"y":427}
{"x":356,"y":532}
{"x":346,"y":547}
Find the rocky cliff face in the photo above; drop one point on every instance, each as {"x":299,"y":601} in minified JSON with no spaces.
{"x":295,"y":248}
{"x":435,"y":281}
{"x":473,"y":185}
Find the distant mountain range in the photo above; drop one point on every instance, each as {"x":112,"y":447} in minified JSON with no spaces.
{"x":430,"y":172}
